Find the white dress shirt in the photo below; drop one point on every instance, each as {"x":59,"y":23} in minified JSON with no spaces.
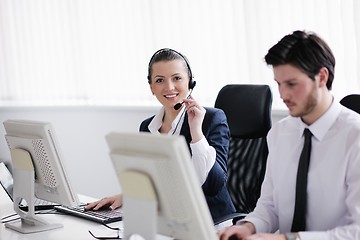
{"x":203,"y":155}
{"x":333,"y":179}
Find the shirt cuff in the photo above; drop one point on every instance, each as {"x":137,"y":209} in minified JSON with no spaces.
{"x":313,"y":235}
{"x":199,"y":146}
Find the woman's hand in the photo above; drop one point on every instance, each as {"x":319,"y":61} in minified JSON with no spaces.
{"x":196,"y":115}
{"x":108,"y":202}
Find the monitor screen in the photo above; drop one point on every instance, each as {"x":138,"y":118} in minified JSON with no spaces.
{"x":37,"y":140}
{"x":181,"y":208}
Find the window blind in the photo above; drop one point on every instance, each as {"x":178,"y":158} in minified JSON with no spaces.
{"x":96,"y":52}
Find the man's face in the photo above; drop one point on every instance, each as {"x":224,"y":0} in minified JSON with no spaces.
{"x":297,"y":90}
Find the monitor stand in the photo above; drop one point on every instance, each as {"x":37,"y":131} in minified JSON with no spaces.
{"x":140,"y":205}
{"x":24,"y":183}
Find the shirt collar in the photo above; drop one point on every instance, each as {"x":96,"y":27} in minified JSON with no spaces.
{"x":322,"y":125}
{"x":157,"y":121}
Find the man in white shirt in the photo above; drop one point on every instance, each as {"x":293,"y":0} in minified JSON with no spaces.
{"x":303,"y":67}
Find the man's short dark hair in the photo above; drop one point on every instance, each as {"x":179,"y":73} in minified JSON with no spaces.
{"x":304,"y":50}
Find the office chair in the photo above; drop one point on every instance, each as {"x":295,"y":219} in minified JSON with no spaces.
{"x":352,"y":102}
{"x":248,"y":112}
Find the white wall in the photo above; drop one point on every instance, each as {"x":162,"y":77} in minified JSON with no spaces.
{"x":80,"y":132}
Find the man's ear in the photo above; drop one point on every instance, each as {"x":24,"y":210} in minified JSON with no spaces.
{"x":322,"y":76}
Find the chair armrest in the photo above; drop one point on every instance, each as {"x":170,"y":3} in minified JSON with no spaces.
{"x":234,"y":216}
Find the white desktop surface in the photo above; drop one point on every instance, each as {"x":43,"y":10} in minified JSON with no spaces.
{"x":74,"y":227}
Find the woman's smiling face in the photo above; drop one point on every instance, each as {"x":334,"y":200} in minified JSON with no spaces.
{"x":170,"y":82}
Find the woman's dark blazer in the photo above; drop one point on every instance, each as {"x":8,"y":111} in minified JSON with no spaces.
{"x":216,"y":131}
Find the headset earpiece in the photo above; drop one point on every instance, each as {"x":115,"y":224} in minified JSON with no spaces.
{"x":192,"y":84}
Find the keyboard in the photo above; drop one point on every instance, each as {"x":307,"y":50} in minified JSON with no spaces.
{"x":39,"y":204}
{"x":39,"y":201}
{"x":100,"y":216}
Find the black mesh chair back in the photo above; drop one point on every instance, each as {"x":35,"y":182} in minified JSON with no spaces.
{"x":352,"y":101}
{"x":248,"y":111}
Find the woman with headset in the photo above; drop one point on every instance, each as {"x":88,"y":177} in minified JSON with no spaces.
{"x":205,"y":129}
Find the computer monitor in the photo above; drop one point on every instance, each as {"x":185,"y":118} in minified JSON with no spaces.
{"x":38,"y":172}
{"x":162,"y":194}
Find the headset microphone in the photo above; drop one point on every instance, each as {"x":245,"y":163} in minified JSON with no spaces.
{"x":178,"y":105}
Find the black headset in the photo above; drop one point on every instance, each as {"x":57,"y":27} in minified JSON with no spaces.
{"x":192,"y":83}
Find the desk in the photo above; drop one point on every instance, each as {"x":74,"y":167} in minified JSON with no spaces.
{"x":74,"y":227}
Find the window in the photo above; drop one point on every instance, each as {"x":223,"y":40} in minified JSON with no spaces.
{"x":96,"y":52}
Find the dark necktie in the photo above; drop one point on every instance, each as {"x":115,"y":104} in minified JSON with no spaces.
{"x":299,"y":220}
